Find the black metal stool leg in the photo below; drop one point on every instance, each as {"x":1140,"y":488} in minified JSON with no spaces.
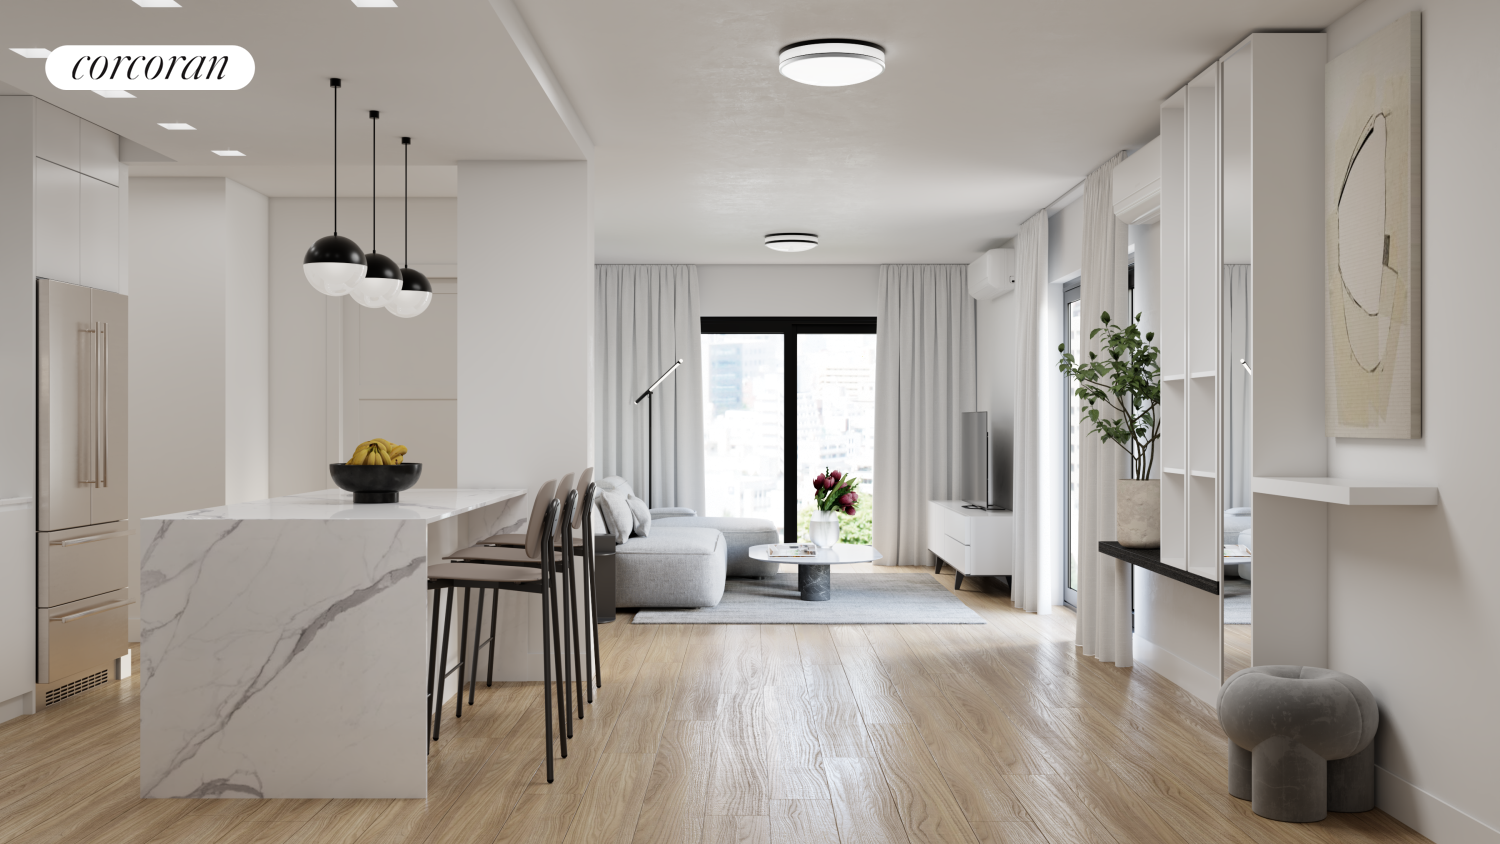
{"x":574,"y":633}
{"x":564,"y":719}
{"x":463,"y":639}
{"x":547,"y":673}
{"x":437,"y":610}
{"x":594,"y":616}
{"x":591,"y":628}
{"x":442,"y":671}
{"x":494,"y":616}
{"x":478,"y":628}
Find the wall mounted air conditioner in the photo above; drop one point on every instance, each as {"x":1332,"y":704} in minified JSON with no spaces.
{"x":993,"y":275}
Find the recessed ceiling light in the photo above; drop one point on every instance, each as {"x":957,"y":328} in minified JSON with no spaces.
{"x":791,"y":241}
{"x":158,"y":4}
{"x":229,"y":152}
{"x":176,"y":127}
{"x":32,"y":52}
{"x":832,"y":62}
{"x":116,"y":95}
{"x":375,"y":4}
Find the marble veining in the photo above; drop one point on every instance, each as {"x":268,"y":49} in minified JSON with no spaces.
{"x":285,"y":655}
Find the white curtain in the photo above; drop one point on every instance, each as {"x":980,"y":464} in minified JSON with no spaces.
{"x":1238,"y":410}
{"x":924,"y":378}
{"x":1103,"y":582}
{"x":646,"y":316}
{"x":1035,"y":490}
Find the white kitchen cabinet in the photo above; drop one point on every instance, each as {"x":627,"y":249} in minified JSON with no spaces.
{"x":56,"y":222}
{"x":99,"y":241}
{"x":56,"y":135}
{"x":974,"y":542}
{"x":98,"y":153}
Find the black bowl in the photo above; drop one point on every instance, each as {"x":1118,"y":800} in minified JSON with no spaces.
{"x":375,"y":484}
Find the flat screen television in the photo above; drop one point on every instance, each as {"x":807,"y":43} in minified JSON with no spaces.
{"x":975,"y":484}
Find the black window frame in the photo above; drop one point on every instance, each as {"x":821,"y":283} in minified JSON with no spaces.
{"x":789,"y":328}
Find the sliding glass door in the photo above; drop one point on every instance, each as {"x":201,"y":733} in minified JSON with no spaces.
{"x":785,"y":399}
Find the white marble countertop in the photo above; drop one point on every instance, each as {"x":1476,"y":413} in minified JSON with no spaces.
{"x":428,"y":505}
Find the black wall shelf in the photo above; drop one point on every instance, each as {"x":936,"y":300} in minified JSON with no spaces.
{"x":1150,"y":560}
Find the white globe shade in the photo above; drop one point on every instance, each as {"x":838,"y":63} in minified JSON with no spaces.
{"x":833,"y":63}
{"x":409,"y":303}
{"x":375,"y":292}
{"x":333,"y":278}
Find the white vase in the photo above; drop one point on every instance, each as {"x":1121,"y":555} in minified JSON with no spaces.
{"x":824,"y":529}
{"x":1138,"y":513}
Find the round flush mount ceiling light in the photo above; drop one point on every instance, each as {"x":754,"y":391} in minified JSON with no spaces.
{"x":831,"y":62}
{"x":791,"y":241}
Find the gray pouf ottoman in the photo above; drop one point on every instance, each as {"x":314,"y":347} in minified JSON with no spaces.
{"x":1301,"y":741}
{"x":680,"y":567}
{"x":739,"y":535}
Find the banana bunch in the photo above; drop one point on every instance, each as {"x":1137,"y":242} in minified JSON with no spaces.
{"x":378,"y":452}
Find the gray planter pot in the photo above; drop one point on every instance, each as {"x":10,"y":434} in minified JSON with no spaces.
{"x":1138,"y":514}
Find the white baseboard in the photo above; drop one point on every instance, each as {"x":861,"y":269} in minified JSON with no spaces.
{"x":24,"y":704}
{"x":1428,"y":814}
{"x":1199,"y":683}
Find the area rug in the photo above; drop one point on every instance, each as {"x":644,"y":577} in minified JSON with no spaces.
{"x":857,"y":599}
{"x":1236,"y":601}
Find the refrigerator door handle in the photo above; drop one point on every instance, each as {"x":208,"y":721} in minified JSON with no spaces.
{"x":104,"y":404}
{"x":84,"y":540}
{"x":107,"y":607}
{"x":88,"y":415}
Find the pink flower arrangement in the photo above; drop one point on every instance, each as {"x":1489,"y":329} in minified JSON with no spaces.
{"x":837,"y":491}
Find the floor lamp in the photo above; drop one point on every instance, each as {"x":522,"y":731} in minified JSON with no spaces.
{"x":648,"y":398}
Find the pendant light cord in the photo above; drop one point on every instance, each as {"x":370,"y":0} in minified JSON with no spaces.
{"x":405,"y":202}
{"x":374,"y":116}
{"x":334,"y":83}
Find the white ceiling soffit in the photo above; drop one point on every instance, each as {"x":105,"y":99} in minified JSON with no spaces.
{"x":448,"y":74}
{"x":987,"y":111}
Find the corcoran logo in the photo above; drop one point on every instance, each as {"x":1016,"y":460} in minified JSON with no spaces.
{"x":158,"y":68}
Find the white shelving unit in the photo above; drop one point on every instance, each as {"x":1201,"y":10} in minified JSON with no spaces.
{"x":1347,"y":492}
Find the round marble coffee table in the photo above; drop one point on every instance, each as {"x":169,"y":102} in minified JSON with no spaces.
{"x":813,"y":579}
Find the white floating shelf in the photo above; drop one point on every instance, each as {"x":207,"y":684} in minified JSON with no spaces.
{"x":1198,"y":474}
{"x":1209,"y":374}
{"x":1166,"y":378}
{"x":1170,"y":471}
{"x":1345,"y":491}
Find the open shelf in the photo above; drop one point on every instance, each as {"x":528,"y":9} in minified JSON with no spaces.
{"x":1170,"y":471}
{"x":1200,"y":474}
{"x":1166,"y":378}
{"x":1150,"y":559}
{"x":1346,"y":491}
{"x":1208,"y":374}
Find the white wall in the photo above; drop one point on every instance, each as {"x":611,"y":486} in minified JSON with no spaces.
{"x":783,"y":290}
{"x":1065,"y":242}
{"x":198,"y":341}
{"x":996,"y":350}
{"x":311,"y":413}
{"x":1414,"y":592}
{"x":525,"y":346}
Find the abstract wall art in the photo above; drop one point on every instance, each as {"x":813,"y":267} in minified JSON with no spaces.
{"x":1373,"y":342}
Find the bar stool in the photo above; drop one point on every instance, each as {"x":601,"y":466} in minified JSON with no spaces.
{"x":438,"y":585}
{"x":539,"y":580}
{"x":583,"y":542}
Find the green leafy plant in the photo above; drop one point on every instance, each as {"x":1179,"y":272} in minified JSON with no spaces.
{"x":1126,"y":379}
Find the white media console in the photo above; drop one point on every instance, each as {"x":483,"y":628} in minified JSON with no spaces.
{"x":974,"y":542}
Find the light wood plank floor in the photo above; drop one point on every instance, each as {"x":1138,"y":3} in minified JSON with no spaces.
{"x":744,"y":735}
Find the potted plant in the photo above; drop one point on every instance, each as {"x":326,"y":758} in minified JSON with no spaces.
{"x":836,"y":493}
{"x":1127,"y":380}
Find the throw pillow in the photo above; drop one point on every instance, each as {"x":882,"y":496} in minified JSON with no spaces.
{"x":615,"y":483}
{"x":641,"y":515}
{"x":618,"y":520}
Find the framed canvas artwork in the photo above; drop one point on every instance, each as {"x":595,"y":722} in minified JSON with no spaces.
{"x":1373,"y":342}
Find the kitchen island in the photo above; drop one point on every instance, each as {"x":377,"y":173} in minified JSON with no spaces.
{"x":284,"y":642}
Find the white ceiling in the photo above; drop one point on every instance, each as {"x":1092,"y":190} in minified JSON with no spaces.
{"x":989,"y":109}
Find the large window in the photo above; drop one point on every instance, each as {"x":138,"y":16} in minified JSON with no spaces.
{"x":1072,"y":339}
{"x":783,"y":400}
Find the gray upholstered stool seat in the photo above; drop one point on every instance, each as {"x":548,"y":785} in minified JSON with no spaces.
{"x":1301,"y":741}
{"x":739,"y":535}
{"x":680,"y":567}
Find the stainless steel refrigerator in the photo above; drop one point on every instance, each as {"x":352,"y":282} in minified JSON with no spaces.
{"x":81,"y":481}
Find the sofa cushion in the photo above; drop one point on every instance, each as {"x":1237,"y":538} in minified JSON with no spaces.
{"x":681,"y":567}
{"x":739,"y":535}
{"x":618,"y":521}
{"x":640,"y":516}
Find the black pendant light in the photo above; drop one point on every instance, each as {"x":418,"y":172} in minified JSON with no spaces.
{"x":416,"y":291}
{"x":382,"y":279}
{"x":334,"y":263}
